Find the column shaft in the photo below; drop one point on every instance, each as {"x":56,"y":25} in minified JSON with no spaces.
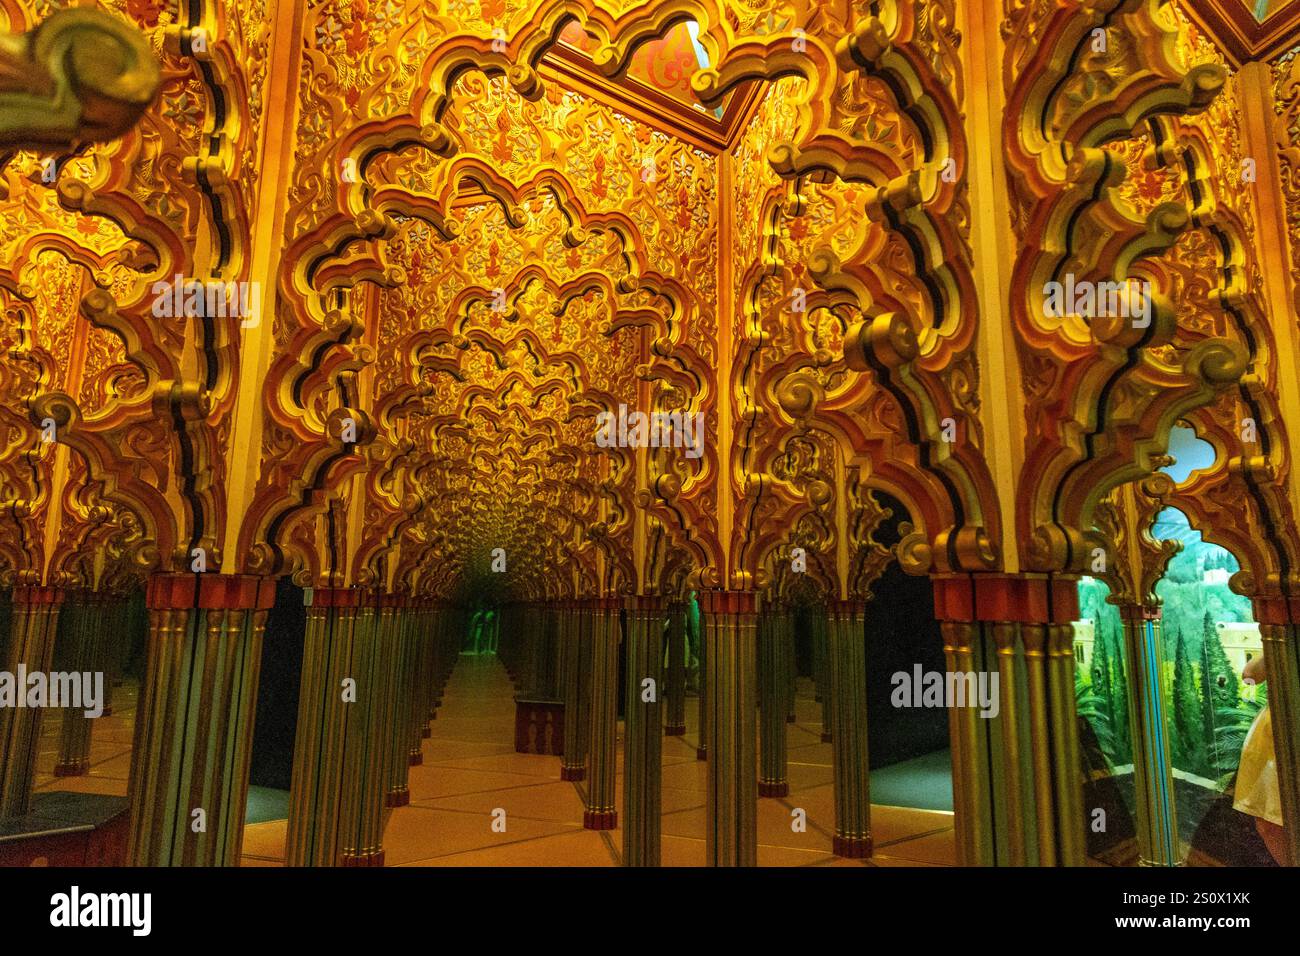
{"x":1282,"y":663}
{"x":601,"y":813}
{"x":81,"y":630}
{"x":33,"y":625}
{"x":851,"y":768}
{"x":675,"y":676}
{"x":194,"y":723}
{"x":773,"y":691}
{"x":705,"y":717}
{"x":731,"y":821}
{"x":821,"y":667}
{"x":574,"y":759}
{"x":643,"y":732}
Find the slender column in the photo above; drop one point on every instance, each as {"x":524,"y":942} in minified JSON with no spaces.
{"x":194,"y":722}
{"x":80,"y":626}
{"x":731,"y":821}
{"x":436,"y":666}
{"x":1023,"y":766}
{"x":587,"y":640}
{"x":574,"y":759}
{"x":402,"y":727}
{"x":319,"y":753}
{"x":675,"y":677}
{"x":601,"y":813}
{"x":1281,"y":641}
{"x":350,"y":749}
{"x":424,"y":641}
{"x":971,"y":780}
{"x":554,"y":651}
{"x":785,"y":640}
{"x":361,"y":813}
{"x":1016,"y":771}
{"x":821,"y":666}
{"x":773,"y":689}
{"x":117,"y":633}
{"x":851,"y":769}
{"x":535,"y":620}
{"x":702,"y":701}
{"x":34,"y":622}
{"x":1153,"y":780}
{"x":643,"y":732}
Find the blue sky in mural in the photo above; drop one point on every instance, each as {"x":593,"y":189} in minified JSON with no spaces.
{"x":701,"y":56}
{"x":1196,"y":580}
{"x":1189,"y":453}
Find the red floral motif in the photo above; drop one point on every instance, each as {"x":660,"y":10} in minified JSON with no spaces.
{"x":358,"y":37}
{"x":1150,"y":185}
{"x":144,"y":12}
{"x":501,"y":150}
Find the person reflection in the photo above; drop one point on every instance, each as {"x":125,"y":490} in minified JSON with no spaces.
{"x":1257,"y":792}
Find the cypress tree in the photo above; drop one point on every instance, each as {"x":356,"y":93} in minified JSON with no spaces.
{"x":1187,"y":730}
{"x":1224,"y":686}
{"x":1100,"y":671}
{"x":1119,"y":696}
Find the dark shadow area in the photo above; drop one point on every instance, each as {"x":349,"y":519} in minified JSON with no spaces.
{"x":271,"y":765}
{"x":902,"y":634}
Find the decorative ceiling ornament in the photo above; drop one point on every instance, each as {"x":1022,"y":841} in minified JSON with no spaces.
{"x":81,"y":76}
{"x":1125,"y":387}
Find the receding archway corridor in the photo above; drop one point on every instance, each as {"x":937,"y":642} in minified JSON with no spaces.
{"x":637,"y":433}
{"x":470,"y":769}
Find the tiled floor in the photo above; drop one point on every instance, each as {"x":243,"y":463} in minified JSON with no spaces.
{"x":471,"y":771}
{"x":110,"y":749}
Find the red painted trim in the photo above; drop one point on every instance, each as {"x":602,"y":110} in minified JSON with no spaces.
{"x":210,"y":592}
{"x":1011,"y":598}
{"x":852,"y":848}
{"x":728,"y":602}
{"x":600,"y":819}
{"x":35,"y":595}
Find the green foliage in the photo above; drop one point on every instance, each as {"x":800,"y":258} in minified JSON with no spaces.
{"x":1107,"y":699}
{"x":1189,"y":743}
{"x":1206,"y":686}
{"x":1231,"y":726}
{"x":1225,"y":682}
{"x":1091,"y":707}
